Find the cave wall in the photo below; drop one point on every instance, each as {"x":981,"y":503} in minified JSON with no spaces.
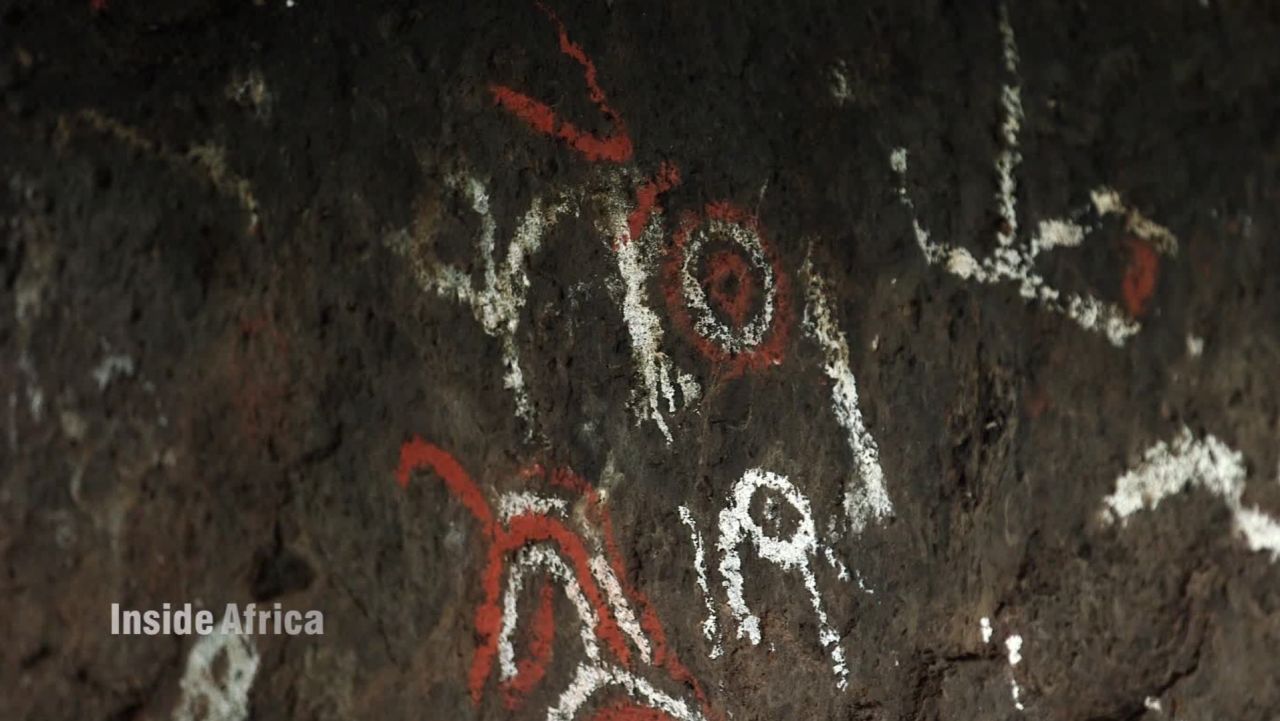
{"x":635,"y":361}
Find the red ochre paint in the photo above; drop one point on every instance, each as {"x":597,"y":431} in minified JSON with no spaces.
{"x":770,"y":351}
{"x":614,"y":148}
{"x":667,"y":177}
{"x":1140,"y":276}
{"x":417,"y":454}
{"x":97,"y":5}
{"x":629,"y":711}
{"x":533,"y":667}
{"x":723,"y":269}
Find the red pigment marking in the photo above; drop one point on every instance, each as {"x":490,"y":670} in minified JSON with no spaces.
{"x":615,"y":148}
{"x":531,"y":669}
{"x":668,"y":177}
{"x":97,"y":5}
{"x":663,"y":656}
{"x":1140,"y":276}
{"x":771,"y":350}
{"x":524,"y":530}
{"x":730,"y":285}
{"x":417,"y":454}
{"x":528,"y":529}
{"x":629,"y":711}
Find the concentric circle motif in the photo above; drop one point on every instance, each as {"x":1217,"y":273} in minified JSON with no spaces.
{"x":726,"y":290}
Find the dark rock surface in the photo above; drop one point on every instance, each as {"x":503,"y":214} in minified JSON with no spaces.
{"x":245,"y":285}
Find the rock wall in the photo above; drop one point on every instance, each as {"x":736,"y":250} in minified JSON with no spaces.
{"x":630,"y":362}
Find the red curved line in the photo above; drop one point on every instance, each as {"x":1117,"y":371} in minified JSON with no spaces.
{"x":417,"y":454}
{"x":615,"y":147}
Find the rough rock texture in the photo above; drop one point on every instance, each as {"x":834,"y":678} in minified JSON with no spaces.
{"x":262,"y":259}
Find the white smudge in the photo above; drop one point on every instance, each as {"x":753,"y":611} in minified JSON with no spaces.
{"x":709,"y":628}
{"x":1152,"y":704}
{"x":1195,"y":346}
{"x":839,"y":86}
{"x":1106,"y":201}
{"x":1009,"y":157}
{"x":223,"y":696}
{"x":865,"y":497}
{"x":1013,"y":645}
{"x":842,"y":572}
{"x":1013,"y":261}
{"x":498,"y":301}
{"x":789,"y":554}
{"x":112,"y":367}
{"x":35,"y":394}
{"x":985,"y":626}
{"x":1169,"y":468}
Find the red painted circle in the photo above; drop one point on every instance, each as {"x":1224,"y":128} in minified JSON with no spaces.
{"x":730,"y":285}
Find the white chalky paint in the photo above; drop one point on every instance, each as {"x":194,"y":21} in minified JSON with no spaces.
{"x":790,"y":554}
{"x":1169,"y":468}
{"x":865,"y":498}
{"x":709,"y":626}
{"x":705,"y":321}
{"x":984,"y":626}
{"x":112,"y":367}
{"x":591,"y":678}
{"x":1014,"y":262}
{"x":531,"y":558}
{"x":1106,"y":201}
{"x":224,"y":696}
{"x":517,"y":503}
{"x":1014,"y":646}
{"x":1009,"y":157}
{"x":636,"y":259}
{"x":1195,"y":346}
{"x":498,"y":301}
{"x":1151,"y":703}
{"x":842,"y":572}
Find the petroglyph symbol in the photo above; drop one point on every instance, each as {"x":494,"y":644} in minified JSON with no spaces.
{"x":793,"y":553}
{"x":563,"y":536}
{"x":1169,"y":468}
{"x":497,"y":301}
{"x":726,"y":289}
{"x":1013,"y":260}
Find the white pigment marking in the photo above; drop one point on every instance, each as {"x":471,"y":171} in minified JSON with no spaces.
{"x":865,"y":498}
{"x":112,"y":367}
{"x":985,"y":626}
{"x":1014,"y":646}
{"x":532,"y":558}
{"x":1195,"y":346}
{"x":1151,"y":703}
{"x":221,"y":697}
{"x":709,"y":629}
{"x":518,"y":503}
{"x":789,"y":554}
{"x":499,"y":300}
{"x":1012,"y":261}
{"x":1169,"y":468}
{"x":635,"y":260}
{"x":705,"y":321}
{"x":591,"y":678}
